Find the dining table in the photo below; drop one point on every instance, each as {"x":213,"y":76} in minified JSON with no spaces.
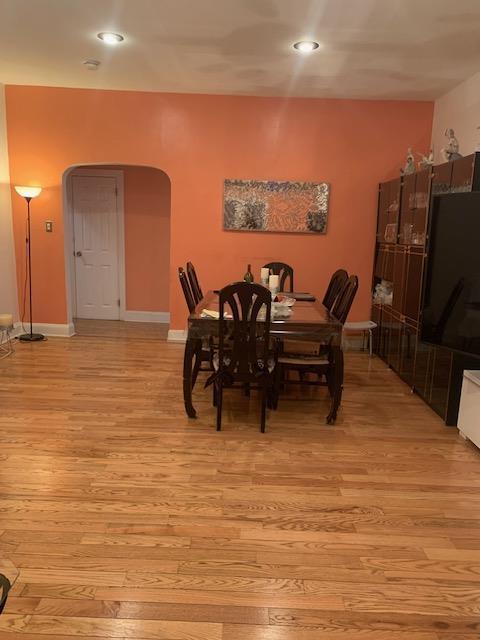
{"x":309,"y":321}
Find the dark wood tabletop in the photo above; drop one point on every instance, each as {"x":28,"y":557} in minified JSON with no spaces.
{"x":311,"y":320}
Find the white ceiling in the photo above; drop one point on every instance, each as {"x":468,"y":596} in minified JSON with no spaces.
{"x":410,"y":49}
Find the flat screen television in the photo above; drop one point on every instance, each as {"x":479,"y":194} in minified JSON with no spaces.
{"x":451,"y":301}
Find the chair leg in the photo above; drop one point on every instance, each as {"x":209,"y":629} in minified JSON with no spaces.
{"x":335,"y":383}
{"x":219,"y":405}
{"x":196,"y":367}
{"x":264,"y":409}
{"x":277,"y":385}
{"x":370,"y":342}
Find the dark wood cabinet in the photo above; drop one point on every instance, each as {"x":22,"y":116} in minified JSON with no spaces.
{"x":440,"y":380}
{"x":422,"y":369}
{"x":398,"y":278}
{"x":408,"y":347}
{"x":465,"y":175}
{"x":442,"y":178}
{"x":413,"y":283}
{"x":388,"y":211}
{"x":407,"y":209}
{"x":422,"y":200}
{"x":414,"y":200}
{"x":433,"y":372}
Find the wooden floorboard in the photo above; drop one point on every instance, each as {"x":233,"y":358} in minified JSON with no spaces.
{"x":127,"y":520}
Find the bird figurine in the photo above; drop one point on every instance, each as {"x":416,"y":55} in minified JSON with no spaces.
{"x":426,"y":161}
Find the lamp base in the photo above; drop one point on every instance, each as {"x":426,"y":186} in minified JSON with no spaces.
{"x":31,"y":337}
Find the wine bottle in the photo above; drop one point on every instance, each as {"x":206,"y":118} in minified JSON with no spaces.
{"x":248,"y":277}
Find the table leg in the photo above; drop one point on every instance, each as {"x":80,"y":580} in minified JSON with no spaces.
{"x":335,"y":383}
{"x":190,"y":349}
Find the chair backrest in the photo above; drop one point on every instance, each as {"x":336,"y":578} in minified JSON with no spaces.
{"x":285,"y":271}
{"x":345,"y":299}
{"x":243,"y":340}
{"x":194,"y":284}
{"x":337,"y":281}
{"x":182,"y":276}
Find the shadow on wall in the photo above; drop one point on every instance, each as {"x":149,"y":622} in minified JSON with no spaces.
{"x":135,"y":268}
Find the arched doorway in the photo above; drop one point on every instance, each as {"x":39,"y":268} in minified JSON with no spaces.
{"x":117,"y":249}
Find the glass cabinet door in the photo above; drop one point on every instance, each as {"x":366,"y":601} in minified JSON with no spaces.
{"x":407,"y":209}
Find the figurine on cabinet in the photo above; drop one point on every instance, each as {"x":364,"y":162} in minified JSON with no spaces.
{"x":451,"y":151}
{"x":426,"y":161}
{"x":409,"y":164}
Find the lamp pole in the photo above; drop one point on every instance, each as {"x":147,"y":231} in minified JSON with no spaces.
{"x":28,"y":193}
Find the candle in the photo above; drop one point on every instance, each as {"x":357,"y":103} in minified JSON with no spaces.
{"x":264,"y":273}
{"x":273,"y":283}
{"x":6,"y":320}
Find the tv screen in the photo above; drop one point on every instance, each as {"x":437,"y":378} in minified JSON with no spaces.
{"x":451,"y":305}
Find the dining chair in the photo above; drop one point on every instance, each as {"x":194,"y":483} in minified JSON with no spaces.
{"x":324,"y":361}
{"x":187,"y":292}
{"x":5,"y":587}
{"x":335,"y":285}
{"x":243,"y":357}
{"x":194,"y":284}
{"x":284,"y":271}
{"x":203,"y":349}
{"x":344,"y":300}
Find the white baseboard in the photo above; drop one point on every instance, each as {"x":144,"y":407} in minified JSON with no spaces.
{"x":147,"y":316}
{"x":177,"y":335}
{"x":50,"y":330}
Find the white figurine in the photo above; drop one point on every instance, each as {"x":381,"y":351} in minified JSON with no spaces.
{"x":426,"y":161}
{"x":450,"y":152}
{"x":410,"y":163}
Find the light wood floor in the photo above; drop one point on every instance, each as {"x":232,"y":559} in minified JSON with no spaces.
{"x":127,"y":520}
{"x":120,"y":329}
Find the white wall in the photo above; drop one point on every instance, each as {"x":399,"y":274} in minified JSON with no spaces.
{"x":459,"y":110}
{"x":8,"y":285}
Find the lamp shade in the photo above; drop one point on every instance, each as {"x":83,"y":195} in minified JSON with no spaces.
{"x":28,"y":192}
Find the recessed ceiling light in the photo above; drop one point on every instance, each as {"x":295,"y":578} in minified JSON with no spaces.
{"x":110,"y":38}
{"x":306,"y":46}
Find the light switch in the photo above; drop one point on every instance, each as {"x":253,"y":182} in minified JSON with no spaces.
{"x":48,"y":226}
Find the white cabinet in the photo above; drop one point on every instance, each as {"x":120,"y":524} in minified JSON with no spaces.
{"x":469,"y":414}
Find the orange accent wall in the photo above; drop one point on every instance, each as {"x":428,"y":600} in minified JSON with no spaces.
{"x":199,"y":140}
{"x":147,"y":239}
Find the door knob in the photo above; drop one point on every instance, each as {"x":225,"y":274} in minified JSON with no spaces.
{"x":78,"y":254}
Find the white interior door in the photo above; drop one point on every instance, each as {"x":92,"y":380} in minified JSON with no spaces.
{"x":95,"y":222}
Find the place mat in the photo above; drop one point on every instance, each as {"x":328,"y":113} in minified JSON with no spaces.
{"x":305,"y":297}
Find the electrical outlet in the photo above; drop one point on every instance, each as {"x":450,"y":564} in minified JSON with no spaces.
{"x":48,"y":226}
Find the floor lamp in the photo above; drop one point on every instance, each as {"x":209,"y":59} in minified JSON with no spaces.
{"x":28,"y":193}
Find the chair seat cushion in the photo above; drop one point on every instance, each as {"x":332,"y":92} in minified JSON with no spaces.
{"x":301,"y":347}
{"x":306,"y":360}
{"x":227,"y":360}
{"x":365,"y":325}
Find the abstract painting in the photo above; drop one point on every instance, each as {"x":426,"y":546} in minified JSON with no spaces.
{"x":266,"y":205}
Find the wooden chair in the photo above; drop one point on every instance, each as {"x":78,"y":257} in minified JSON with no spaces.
{"x":203,"y":350}
{"x":194,"y":284}
{"x":5,"y":587}
{"x":345,"y":299}
{"x":324,"y":361}
{"x":243,"y":354}
{"x":285,"y":272}
{"x":187,"y":292}
{"x":335,"y":285}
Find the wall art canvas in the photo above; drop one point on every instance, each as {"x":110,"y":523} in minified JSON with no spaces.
{"x":266,"y":205}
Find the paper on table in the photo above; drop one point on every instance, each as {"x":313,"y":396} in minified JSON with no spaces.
{"x":212,"y":313}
